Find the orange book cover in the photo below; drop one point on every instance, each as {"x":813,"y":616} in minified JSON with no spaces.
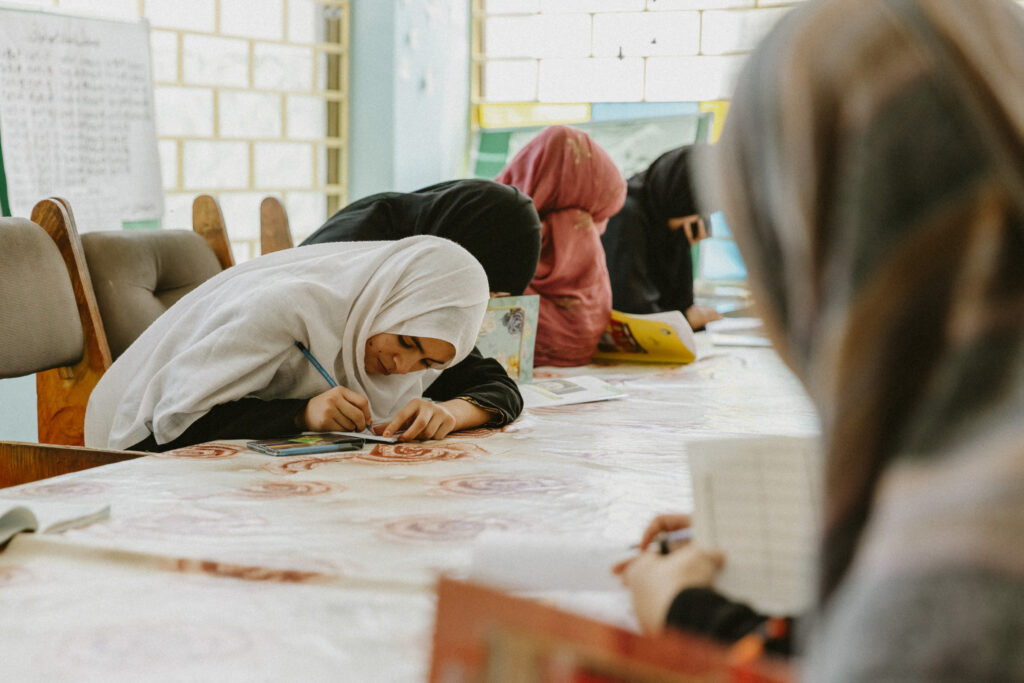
{"x":482,"y":634}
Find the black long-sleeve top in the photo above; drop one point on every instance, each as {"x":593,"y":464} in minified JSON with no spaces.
{"x":705,"y":612}
{"x":481,"y":381}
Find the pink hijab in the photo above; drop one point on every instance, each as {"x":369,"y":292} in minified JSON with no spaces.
{"x":576,"y":188}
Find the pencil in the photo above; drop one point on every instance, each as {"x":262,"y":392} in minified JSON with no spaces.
{"x":319,"y":368}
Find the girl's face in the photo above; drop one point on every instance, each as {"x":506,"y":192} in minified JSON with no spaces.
{"x":398,"y":354}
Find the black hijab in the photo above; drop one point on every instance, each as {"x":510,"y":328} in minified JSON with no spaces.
{"x":496,"y":223}
{"x":651,"y":266}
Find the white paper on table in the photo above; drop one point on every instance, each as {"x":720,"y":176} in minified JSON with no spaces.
{"x":738,"y":332}
{"x":529,"y":562}
{"x":567,"y":390}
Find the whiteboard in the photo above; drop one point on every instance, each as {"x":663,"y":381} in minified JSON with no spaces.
{"x":77,"y":118}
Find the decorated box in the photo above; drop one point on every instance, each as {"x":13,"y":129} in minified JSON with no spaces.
{"x":508,"y":334}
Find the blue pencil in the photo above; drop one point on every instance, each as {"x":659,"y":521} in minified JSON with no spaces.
{"x":319,"y":368}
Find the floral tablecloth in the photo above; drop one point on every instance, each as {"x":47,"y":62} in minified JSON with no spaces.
{"x":218,"y":563}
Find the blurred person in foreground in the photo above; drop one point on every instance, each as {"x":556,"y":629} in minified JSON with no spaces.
{"x":872,"y":170}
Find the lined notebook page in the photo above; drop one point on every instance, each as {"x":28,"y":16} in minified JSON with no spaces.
{"x":759,"y":499}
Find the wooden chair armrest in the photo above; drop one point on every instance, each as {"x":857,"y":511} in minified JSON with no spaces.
{"x":21,"y":463}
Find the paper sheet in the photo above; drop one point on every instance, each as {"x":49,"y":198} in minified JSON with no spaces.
{"x":759,"y":499}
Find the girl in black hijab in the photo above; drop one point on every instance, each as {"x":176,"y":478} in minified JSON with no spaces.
{"x":647,"y":244}
{"x":497,"y":224}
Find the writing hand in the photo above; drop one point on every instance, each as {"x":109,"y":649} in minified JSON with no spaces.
{"x":654,"y":580}
{"x":659,"y":525}
{"x":337,"y":409}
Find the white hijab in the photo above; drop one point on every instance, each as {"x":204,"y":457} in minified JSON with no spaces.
{"x":234,"y":336}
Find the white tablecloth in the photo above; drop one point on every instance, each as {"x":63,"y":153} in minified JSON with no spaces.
{"x":223,"y":564}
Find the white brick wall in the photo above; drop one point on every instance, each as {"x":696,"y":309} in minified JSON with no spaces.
{"x":242,"y":109}
{"x":617,"y":50}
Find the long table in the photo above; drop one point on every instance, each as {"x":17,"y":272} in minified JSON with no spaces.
{"x":219,"y":563}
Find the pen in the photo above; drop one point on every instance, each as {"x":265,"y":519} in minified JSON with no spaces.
{"x":666,"y":539}
{"x":319,"y":368}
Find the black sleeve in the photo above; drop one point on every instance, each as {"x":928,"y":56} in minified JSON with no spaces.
{"x":705,"y":612}
{"x":702,"y":611}
{"x":482,"y":382}
{"x":246,"y":418}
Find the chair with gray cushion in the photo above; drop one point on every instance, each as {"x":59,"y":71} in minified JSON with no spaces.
{"x":46,"y":323}
{"x":138,"y":274}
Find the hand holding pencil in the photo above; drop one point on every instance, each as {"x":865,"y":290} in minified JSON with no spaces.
{"x":337,"y":409}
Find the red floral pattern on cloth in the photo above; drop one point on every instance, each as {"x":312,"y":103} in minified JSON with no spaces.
{"x":504,"y":485}
{"x":204,"y":451}
{"x":441,"y":528}
{"x":245,"y":572}
{"x":290,"y":489}
{"x":415,"y":454}
{"x":63,"y":489}
{"x":303,"y":463}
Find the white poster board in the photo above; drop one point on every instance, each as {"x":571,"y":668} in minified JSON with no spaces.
{"x":77,"y":118}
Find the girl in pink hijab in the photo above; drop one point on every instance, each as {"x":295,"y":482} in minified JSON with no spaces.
{"x":576,"y":188}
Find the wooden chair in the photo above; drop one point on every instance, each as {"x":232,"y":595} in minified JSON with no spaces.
{"x":124,"y":280}
{"x":275,"y":234}
{"x":48,"y":325}
{"x":62,"y":393}
{"x":138,"y":274}
{"x":208,"y":221}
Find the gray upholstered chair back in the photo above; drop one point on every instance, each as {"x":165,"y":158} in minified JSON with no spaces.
{"x":139,"y":274}
{"x":39,"y":323}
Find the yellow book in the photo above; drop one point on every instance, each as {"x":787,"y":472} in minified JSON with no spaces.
{"x":663,"y":337}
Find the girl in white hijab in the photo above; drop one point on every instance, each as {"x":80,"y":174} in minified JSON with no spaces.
{"x":384,"y":318}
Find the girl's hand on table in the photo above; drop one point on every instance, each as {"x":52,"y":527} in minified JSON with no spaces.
{"x":337,"y":409}
{"x":700,"y":316}
{"x":422,"y":419}
{"x":654,"y":580}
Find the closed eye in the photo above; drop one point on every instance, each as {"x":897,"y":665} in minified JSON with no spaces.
{"x":410,"y":342}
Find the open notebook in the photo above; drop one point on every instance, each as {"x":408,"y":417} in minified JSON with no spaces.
{"x":47,"y":518}
{"x":759,"y":499}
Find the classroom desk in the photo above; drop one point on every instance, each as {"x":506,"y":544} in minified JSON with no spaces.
{"x":223,"y":564}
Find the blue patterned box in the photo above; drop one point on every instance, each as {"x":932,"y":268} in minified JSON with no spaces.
{"x":508,"y":334}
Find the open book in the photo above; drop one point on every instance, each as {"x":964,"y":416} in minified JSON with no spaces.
{"x":561,"y":391}
{"x":759,"y":499}
{"x":663,"y":337}
{"x":47,"y":518}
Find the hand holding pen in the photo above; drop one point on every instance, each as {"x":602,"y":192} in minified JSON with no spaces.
{"x":667,"y":530}
{"x":337,"y":409}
